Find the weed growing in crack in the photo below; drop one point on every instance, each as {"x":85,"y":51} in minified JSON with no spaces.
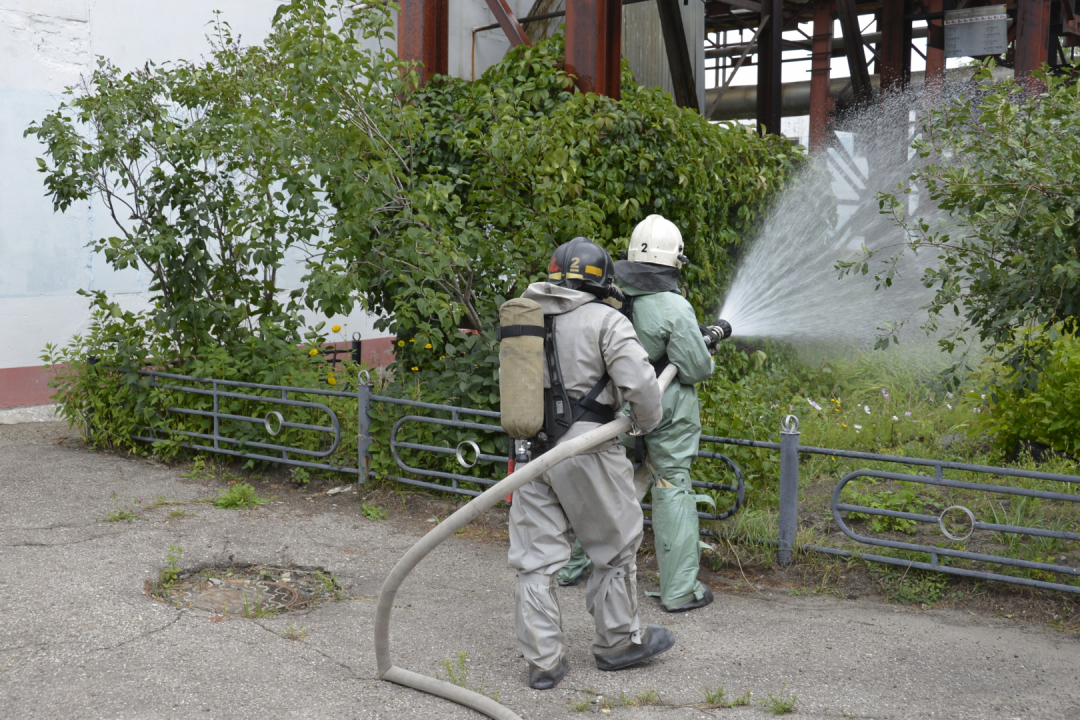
{"x":457,"y":673}
{"x":120,"y":515}
{"x":177,"y":514}
{"x":239,"y":495}
{"x":373,"y":512}
{"x":581,"y":705}
{"x":780,"y":705}
{"x":169,"y":574}
{"x":295,"y":633}
{"x":714,"y":698}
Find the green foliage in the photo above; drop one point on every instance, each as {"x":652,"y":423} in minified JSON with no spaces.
{"x":168,"y":575}
{"x":120,"y":515}
{"x":373,"y":512}
{"x":904,"y":497}
{"x":715,"y":698}
{"x":909,"y":587}
{"x":1006,"y":168}
{"x":238,"y":495}
{"x":188,"y":161}
{"x":780,"y":705}
{"x":1049,"y":414}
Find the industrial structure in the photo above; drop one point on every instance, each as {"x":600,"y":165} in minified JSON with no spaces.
{"x":765,"y":34}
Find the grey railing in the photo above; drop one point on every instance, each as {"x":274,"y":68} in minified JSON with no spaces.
{"x":276,"y":400}
{"x":790,"y":450}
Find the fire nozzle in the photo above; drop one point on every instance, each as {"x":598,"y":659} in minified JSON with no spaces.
{"x":713,"y":334}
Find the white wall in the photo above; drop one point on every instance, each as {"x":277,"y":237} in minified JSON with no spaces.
{"x":45,"y":46}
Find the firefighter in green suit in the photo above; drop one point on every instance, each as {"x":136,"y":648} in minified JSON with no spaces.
{"x":668,"y":329}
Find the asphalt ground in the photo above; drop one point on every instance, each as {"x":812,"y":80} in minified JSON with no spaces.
{"x":80,"y":636}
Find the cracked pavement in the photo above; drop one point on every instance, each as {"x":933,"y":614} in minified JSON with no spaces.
{"x":80,"y":638}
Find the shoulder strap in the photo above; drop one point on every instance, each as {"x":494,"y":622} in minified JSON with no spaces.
{"x":510,"y":331}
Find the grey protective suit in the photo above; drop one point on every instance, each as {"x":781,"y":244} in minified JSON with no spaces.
{"x":592,"y":493}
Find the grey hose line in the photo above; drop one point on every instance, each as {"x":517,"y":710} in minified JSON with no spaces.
{"x":449,"y":526}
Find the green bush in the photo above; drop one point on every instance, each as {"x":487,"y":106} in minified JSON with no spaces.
{"x":1049,"y":415}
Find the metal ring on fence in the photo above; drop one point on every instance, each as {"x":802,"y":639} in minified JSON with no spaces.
{"x":266,"y":422}
{"x":789,"y":424}
{"x":941,"y":522}
{"x":461,"y":457}
{"x":364,"y":376}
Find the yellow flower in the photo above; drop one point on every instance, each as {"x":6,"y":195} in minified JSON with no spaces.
{"x":401,"y":343}
{"x":443,"y":357}
{"x":336,"y":328}
{"x":428,"y":346}
{"x":331,"y":380}
{"x":412,"y":339}
{"x":415,"y":368}
{"x":313,"y":352}
{"x":843,"y":425}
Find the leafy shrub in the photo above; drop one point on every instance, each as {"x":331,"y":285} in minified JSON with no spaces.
{"x":1049,"y":415}
{"x":238,"y":495}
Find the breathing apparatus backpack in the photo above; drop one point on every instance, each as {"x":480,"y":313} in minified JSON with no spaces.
{"x":529,"y":410}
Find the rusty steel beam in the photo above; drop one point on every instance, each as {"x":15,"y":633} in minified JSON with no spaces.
{"x":423,"y":27}
{"x":853,"y":45}
{"x":678,"y":54}
{"x":509,"y":24}
{"x":1032,"y":38}
{"x":935,"y":51}
{"x":770,"y":62}
{"x":820,"y":101}
{"x":594,"y":45}
{"x":894,"y":50}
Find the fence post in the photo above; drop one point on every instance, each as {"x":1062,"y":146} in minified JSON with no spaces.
{"x":789,"y":487}
{"x":356,"y":354}
{"x":364,"y":388}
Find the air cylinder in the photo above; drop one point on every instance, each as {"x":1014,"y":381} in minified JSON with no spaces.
{"x":521,"y":367}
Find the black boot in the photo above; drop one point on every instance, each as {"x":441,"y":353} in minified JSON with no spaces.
{"x":655,"y":640}
{"x":694,"y":604}
{"x":547,"y":679}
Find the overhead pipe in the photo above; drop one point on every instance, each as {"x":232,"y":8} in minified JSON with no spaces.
{"x":740,"y":101}
{"x":522,"y":475}
{"x":837,"y":44}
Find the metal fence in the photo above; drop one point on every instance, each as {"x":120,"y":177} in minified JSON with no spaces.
{"x":237,"y":435}
{"x":790,"y":450}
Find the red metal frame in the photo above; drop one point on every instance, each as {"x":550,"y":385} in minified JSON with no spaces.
{"x":1032,"y":38}
{"x":820,"y":102}
{"x":509,"y":24}
{"x":894,"y":50}
{"x":594,"y":45}
{"x":423,"y":29}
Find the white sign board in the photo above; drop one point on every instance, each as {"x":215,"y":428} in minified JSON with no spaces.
{"x":978,"y":31}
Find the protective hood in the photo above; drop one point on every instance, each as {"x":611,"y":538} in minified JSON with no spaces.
{"x":646,"y":277}
{"x":555,"y":299}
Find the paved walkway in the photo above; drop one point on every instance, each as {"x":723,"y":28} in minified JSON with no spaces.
{"x":79,"y":637}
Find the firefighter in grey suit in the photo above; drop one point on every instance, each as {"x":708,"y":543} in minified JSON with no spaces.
{"x":603,"y":367}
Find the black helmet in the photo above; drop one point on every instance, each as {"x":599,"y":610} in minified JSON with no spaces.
{"x":582,"y":265}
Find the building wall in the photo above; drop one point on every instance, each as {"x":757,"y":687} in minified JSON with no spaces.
{"x":45,"y":46}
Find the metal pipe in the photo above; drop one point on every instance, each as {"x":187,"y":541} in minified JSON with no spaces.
{"x":789,"y":488}
{"x":740,"y":101}
{"x":449,"y":526}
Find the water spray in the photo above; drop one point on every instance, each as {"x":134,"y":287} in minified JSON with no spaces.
{"x":447,"y":528}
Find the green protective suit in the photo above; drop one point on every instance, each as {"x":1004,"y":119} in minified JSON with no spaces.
{"x":666,"y":325}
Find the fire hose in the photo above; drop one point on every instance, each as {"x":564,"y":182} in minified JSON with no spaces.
{"x":461,"y":518}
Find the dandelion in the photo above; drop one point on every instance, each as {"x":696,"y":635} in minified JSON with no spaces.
{"x":895,"y":418}
{"x":415,"y":368}
{"x":412,"y":339}
{"x":336,"y":328}
{"x":813,"y":404}
{"x":313,"y":352}
{"x":907,"y":414}
{"x":885,"y":393}
{"x":401,"y":343}
{"x":843,"y":425}
{"x":428,"y":346}
{"x":866,"y":408}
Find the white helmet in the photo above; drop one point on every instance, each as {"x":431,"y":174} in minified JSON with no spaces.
{"x":656,"y":240}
